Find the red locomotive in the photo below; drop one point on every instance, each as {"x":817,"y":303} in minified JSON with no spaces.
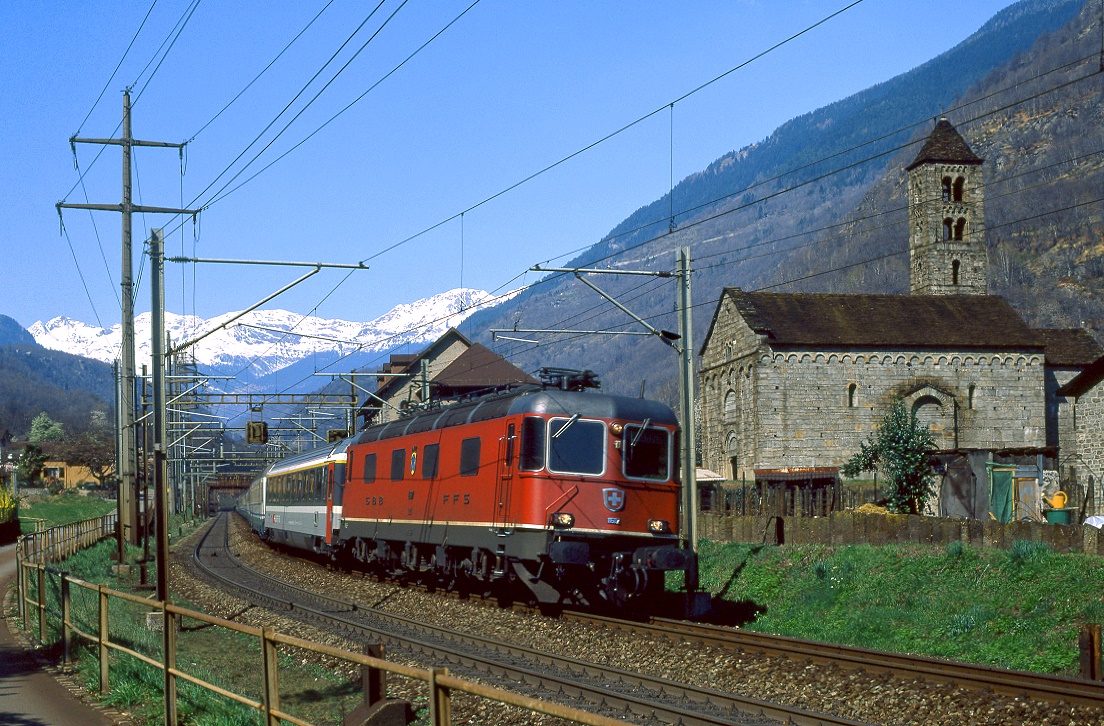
{"x":570,"y":492}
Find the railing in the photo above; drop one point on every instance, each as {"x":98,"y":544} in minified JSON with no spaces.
{"x":46,"y":593}
{"x":56,"y":543}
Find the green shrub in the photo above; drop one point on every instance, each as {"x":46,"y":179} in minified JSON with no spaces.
{"x":1025,"y":551}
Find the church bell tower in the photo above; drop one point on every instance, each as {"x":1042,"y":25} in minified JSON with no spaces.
{"x":946,"y":217}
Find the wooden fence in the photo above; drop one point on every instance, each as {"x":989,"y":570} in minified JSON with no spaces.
{"x":46,"y":593}
{"x":54,"y":544}
{"x":847,"y":528}
{"x":782,"y":501}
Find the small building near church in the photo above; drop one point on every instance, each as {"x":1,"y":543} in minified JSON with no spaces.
{"x":1086,"y":394}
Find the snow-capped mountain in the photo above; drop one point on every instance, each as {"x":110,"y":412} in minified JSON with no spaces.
{"x":270,"y":340}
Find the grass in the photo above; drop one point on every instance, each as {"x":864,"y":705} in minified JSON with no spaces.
{"x":62,"y":509}
{"x":1015,"y":609}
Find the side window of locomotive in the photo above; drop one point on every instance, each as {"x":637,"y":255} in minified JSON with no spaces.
{"x":510,"y":445}
{"x":532,"y":444}
{"x":398,"y":464}
{"x":576,"y":447}
{"x":469,"y":457}
{"x":429,"y":460}
{"x":646,"y":453}
{"x":369,"y":468}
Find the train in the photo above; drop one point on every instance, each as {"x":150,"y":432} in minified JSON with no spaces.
{"x":573,"y":493}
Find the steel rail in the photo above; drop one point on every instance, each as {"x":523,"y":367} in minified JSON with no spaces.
{"x":1036,"y":686}
{"x":609,"y":688}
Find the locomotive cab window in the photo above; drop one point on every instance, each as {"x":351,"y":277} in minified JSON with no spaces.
{"x":369,"y":468}
{"x":469,"y":457}
{"x":398,"y":464}
{"x":532,"y":444}
{"x":646,"y":453}
{"x":576,"y":446}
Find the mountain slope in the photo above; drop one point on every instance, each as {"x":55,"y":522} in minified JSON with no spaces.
{"x":67,"y":387}
{"x":839,"y":225}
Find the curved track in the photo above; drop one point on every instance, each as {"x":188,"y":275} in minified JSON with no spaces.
{"x":619,"y":693}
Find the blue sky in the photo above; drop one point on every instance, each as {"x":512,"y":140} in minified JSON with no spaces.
{"x":510,"y":88}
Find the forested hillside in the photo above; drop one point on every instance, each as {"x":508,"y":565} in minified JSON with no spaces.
{"x":67,"y":387}
{"x":819,"y":205}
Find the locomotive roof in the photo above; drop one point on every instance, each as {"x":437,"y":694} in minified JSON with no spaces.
{"x":527,"y":400}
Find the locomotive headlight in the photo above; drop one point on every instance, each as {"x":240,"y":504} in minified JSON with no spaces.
{"x":659,"y":526}
{"x":617,"y":429}
{"x":563,"y":520}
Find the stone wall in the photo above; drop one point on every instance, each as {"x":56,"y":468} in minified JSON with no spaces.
{"x":727,"y":394}
{"x":1090,"y":441}
{"x":813,"y":408}
{"x":849,"y":528}
{"x":931,"y":256}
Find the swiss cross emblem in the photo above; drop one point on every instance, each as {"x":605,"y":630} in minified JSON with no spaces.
{"x":614,"y":499}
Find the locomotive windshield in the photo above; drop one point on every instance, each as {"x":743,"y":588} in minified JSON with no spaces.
{"x":576,"y":447}
{"x":647,"y":452}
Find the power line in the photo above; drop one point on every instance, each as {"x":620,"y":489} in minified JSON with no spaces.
{"x":117,"y":67}
{"x":610,"y":135}
{"x":295,"y":98}
{"x":171,"y":40}
{"x":223,"y":194}
{"x":263,"y":71}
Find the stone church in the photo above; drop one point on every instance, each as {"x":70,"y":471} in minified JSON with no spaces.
{"x":797,"y":380}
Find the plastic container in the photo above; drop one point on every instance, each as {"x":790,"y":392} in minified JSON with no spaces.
{"x":1057,"y":516}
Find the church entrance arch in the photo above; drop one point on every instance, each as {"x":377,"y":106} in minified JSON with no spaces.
{"x":935,"y":409}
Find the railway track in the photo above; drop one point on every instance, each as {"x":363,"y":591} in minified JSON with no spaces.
{"x":615,"y":692}
{"x":1037,"y":686}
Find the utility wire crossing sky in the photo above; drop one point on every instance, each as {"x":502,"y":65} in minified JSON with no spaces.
{"x":371,"y":122}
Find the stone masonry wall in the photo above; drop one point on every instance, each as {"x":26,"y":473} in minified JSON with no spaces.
{"x":1090,"y":441}
{"x":807,"y":420}
{"x":803,"y":412}
{"x":727,"y":392}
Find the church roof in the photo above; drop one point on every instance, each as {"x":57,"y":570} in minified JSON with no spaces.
{"x":944,"y":145}
{"x":967,"y":322}
{"x":1069,"y":347}
{"x":479,"y":367}
{"x":1085,"y":381}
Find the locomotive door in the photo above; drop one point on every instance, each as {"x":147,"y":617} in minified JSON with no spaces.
{"x":329,"y":502}
{"x":504,"y":480}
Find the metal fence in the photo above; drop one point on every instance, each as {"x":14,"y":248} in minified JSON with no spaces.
{"x":55,"y":606}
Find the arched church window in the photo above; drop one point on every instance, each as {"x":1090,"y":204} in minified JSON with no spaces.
{"x":731,"y":407}
{"x":959,"y":186}
{"x":954,"y":272}
{"x":970,"y":396}
{"x":948,"y":228}
{"x":946,"y":189}
{"x":852,"y":389}
{"x":959,"y":228}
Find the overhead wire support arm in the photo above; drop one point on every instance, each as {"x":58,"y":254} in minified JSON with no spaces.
{"x":495,"y":333}
{"x":591,"y":271}
{"x":275,"y":263}
{"x":318,"y":266}
{"x":251,"y":308}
